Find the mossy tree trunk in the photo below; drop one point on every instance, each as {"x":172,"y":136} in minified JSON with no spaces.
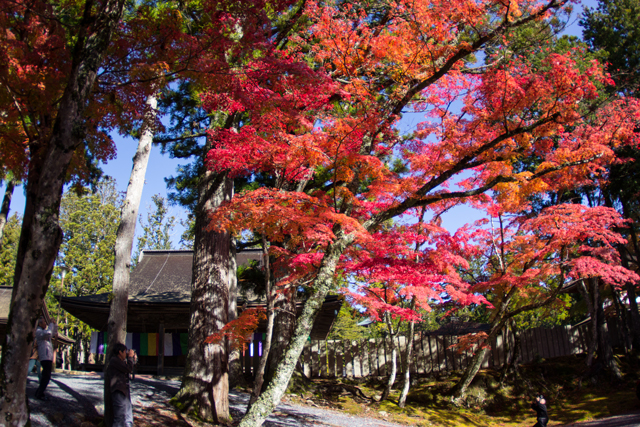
{"x":394,"y":354}
{"x":460,"y":389}
{"x":406,"y":364}
{"x":274,"y":391}
{"x":501,"y":315}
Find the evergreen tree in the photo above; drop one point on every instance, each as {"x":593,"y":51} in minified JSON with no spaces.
{"x":89,"y":223}
{"x":613,"y":29}
{"x":346,"y":325}
{"x":157,"y":229}
{"x":6,"y":203}
{"x":9,"y":249}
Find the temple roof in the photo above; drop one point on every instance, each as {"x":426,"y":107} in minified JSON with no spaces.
{"x":460,"y":328}
{"x":5,"y":305}
{"x":160,"y":293}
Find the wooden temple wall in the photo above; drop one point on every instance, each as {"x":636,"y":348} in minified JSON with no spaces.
{"x":431,"y":354}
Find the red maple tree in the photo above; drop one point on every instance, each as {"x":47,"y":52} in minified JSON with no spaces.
{"x":342,"y":170}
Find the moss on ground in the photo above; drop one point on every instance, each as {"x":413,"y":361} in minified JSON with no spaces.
{"x":488,"y":403}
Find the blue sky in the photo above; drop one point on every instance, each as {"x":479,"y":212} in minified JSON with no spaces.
{"x":162,"y":166}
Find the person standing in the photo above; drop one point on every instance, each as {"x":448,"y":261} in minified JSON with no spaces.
{"x":540,"y":406}
{"x":44,"y":334}
{"x":120,"y":366}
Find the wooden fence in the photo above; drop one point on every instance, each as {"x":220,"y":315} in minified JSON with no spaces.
{"x":431,"y":354}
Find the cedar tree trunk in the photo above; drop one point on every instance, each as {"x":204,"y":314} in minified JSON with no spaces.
{"x":276,"y":388}
{"x":205,"y":384}
{"x":117,"y":326}
{"x":41,"y":234}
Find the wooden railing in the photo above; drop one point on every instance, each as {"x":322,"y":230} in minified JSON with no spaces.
{"x":431,"y":354}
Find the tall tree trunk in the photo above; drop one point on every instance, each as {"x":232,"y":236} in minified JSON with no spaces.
{"x":205,"y":384}
{"x":394,"y":365}
{"x":605,"y":351}
{"x":593,"y":340}
{"x":497,"y":323}
{"x":266,"y":349}
{"x":268,"y":400}
{"x":283,"y":328}
{"x":513,"y":351}
{"x":472,"y":369}
{"x":633,"y":314}
{"x":406,"y":363}
{"x":469,"y":374}
{"x":117,"y":325}
{"x":235,"y":365}
{"x":6,"y":204}
{"x":623,"y":320}
{"x":41,"y":234}
{"x":630,"y":287}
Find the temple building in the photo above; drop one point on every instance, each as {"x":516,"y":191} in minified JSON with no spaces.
{"x":159,"y":309}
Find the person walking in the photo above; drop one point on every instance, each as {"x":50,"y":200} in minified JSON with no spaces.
{"x":540,"y":406}
{"x":120,"y":366}
{"x":44,"y":334}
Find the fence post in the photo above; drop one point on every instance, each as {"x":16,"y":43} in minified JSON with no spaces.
{"x":307,"y":359}
{"x":331,"y":359}
{"x":340,"y":370}
{"x":348,"y":357}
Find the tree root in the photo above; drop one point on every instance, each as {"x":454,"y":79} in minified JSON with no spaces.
{"x":345,"y":389}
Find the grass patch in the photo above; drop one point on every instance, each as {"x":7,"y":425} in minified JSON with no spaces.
{"x":488,"y":403}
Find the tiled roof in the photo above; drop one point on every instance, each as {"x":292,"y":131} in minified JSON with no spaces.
{"x":160,"y":293}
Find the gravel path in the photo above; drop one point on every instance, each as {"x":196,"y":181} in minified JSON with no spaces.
{"x":626,"y":420}
{"x":76,"y":400}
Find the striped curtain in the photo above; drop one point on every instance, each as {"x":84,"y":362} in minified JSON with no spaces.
{"x":144,"y":344}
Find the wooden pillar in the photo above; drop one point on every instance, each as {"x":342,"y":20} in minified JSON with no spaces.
{"x":161,"y":349}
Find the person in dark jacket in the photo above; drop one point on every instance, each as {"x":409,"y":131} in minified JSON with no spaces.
{"x":120,"y":366}
{"x":540,"y":406}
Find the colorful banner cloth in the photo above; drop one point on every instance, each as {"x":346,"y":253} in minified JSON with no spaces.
{"x":144,"y":344}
